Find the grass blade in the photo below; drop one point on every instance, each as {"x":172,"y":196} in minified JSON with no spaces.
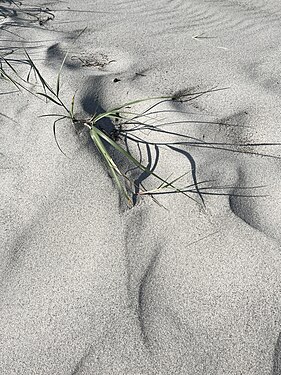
{"x":71,"y":112}
{"x":135,"y":161}
{"x":96,"y":138}
{"x":114,"y":170}
{"x":59,"y":74}
{"x":49,"y":97}
{"x":176,"y":97}
{"x":55,"y":135}
{"x":45,"y":85}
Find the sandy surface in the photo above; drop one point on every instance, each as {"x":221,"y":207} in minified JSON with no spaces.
{"x":88,"y":286}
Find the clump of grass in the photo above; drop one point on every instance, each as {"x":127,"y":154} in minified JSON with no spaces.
{"x":101,"y":137}
{"x":15,"y":12}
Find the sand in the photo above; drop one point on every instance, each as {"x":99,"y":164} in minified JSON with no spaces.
{"x":90,"y":286}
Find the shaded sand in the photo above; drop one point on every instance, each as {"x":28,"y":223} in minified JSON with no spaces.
{"x":91,"y":287}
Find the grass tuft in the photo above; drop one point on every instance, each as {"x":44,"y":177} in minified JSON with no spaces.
{"x":102,"y":136}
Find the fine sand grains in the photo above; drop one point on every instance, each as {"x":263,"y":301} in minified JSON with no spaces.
{"x":89,"y":287}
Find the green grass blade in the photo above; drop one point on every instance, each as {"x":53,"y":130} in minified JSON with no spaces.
{"x":163,"y":183}
{"x":163,"y":97}
{"x":135,"y":161}
{"x":96,"y":138}
{"x":54,"y":115}
{"x":114,"y":170}
{"x":173,"y":181}
{"x":115,"y":110}
{"x":28,"y":75}
{"x":59,"y":74}
{"x":44,"y":83}
{"x":55,"y":134}
{"x":120,"y":185}
{"x":49,"y":97}
{"x":71,"y":112}
{"x":17,"y":84}
{"x":13,"y":69}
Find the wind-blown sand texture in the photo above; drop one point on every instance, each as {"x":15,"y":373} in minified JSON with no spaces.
{"x":89,"y":286}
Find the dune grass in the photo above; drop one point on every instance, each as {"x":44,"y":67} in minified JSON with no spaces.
{"x":103,"y":136}
{"x":14,"y":12}
{"x":100,"y":136}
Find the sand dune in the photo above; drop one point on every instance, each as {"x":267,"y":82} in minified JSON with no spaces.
{"x":89,"y":286}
